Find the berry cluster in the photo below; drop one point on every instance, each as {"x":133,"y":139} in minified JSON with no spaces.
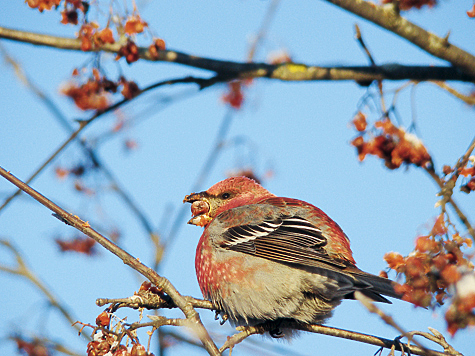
{"x":91,"y":34}
{"x":235,"y":95}
{"x":389,"y":142}
{"x":84,"y":245}
{"x":32,"y":346}
{"x":467,"y":171}
{"x":92,"y":92}
{"x":434,"y":270}
{"x":107,"y":344}
{"x":107,"y":338}
{"x":91,"y":37}
{"x":42,"y":5}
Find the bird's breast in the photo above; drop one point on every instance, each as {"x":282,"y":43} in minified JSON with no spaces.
{"x":217,"y":273}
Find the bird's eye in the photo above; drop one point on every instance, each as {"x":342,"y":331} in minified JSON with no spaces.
{"x":225,"y":195}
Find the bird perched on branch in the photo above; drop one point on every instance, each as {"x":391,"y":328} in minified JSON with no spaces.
{"x":268,"y":260}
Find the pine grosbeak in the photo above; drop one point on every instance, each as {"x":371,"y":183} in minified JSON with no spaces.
{"x":264,"y":259}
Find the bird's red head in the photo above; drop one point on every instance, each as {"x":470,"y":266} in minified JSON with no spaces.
{"x":227,"y":194}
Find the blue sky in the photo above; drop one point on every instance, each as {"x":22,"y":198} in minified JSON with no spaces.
{"x":299,"y":131}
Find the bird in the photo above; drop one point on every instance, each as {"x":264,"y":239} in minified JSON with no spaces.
{"x":274,"y":261}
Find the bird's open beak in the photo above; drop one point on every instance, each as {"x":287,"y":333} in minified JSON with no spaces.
{"x":200,"y":208}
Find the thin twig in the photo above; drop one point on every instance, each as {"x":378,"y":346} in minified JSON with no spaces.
{"x":362,"y":43}
{"x":23,"y":77}
{"x":161,"y":282}
{"x":205,"y":171}
{"x":469,"y":99}
{"x":360,"y":40}
{"x":438,"y":338}
{"x":152,"y":301}
{"x":463,"y":218}
{"x":369,"y":339}
{"x":270,"y":13}
{"x":243,"y":333}
{"x":178,"y":337}
{"x":446,"y":187}
{"x":71,"y":138}
{"x":372,"y":308}
{"x":464,"y":159}
{"x":22,"y":270}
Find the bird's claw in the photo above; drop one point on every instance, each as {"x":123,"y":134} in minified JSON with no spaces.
{"x":224,"y":317}
{"x":276,"y":333}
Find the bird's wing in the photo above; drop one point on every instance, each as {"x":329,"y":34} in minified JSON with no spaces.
{"x":295,"y":240}
{"x":287,"y":239}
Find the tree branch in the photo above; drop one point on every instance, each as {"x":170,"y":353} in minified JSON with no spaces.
{"x":161,"y":282}
{"x":388,"y":18}
{"x":148,"y":300}
{"x":447,"y":186}
{"x":247,"y":331}
{"x":372,"y":308}
{"x":284,"y":71}
{"x":468,"y":99}
{"x":370,"y":339}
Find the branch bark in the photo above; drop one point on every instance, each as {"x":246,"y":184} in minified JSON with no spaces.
{"x":388,"y":18}
{"x":373,"y":340}
{"x":344,"y":334}
{"x":285,"y":71}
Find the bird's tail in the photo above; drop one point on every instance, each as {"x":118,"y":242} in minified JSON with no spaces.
{"x":374,"y":287}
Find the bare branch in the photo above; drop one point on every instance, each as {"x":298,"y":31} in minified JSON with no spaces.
{"x":161,"y":282}
{"x":243,"y":333}
{"x":469,"y":99}
{"x":417,"y":349}
{"x":372,"y":308}
{"x":151,"y":301}
{"x":389,"y":19}
{"x":370,"y":339}
{"x":22,"y":270}
{"x":284,"y":71}
{"x":447,"y":186}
